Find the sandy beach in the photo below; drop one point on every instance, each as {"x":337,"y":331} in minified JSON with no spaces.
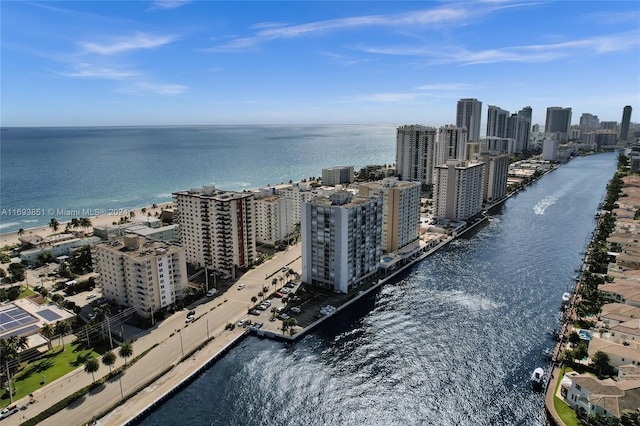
{"x":12,"y":238}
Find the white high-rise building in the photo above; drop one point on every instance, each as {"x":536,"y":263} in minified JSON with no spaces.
{"x":497,"y":122}
{"x":415,"y":153}
{"x":217,"y":228}
{"x":136,"y":272}
{"x":400,"y":210}
{"x":496,"y":172}
{"x":451,"y":144}
{"x":341,"y":240}
{"x":274,"y":219}
{"x":469,"y":115}
{"x":550,"y":148}
{"x":457,"y":189}
{"x":519,"y":129}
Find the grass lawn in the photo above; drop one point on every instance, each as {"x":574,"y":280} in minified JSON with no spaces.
{"x":53,"y":365}
{"x":566,"y":413}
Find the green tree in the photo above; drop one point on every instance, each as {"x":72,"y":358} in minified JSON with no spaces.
{"x":600,"y":362}
{"x":48,"y":332}
{"x":108,"y":359}
{"x":21,"y":231}
{"x":17,"y":271}
{"x":54,"y":224}
{"x":91,"y":366}
{"x":126,"y":350}
{"x":62,"y":328}
{"x":85,"y":223}
{"x":254,"y":299}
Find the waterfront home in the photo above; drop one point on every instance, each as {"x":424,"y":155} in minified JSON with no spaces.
{"x":590,"y":396}
{"x":619,"y":354}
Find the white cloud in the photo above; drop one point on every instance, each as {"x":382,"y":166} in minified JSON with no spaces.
{"x":525,"y":54}
{"x":146,"y":87}
{"x":123,"y":44}
{"x":167,"y":4}
{"x":272,"y":31}
{"x":85,"y":70}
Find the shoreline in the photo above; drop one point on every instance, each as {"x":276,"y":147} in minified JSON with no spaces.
{"x":13,"y":237}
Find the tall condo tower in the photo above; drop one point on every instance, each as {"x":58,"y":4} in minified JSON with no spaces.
{"x":558,"y":122}
{"x":217,"y":228}
{"x":497,"y":121}
{"x":415,"y":153}
{"x":400,"y":210}
{"x":451,"y":144}
{"x":458,"y":189}
{"x":341,"y":240}
{"x":624,"y":124}
{"x":469,"y":115}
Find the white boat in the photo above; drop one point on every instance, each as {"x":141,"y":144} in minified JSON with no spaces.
{"x":566,"y":297}
{"x":537,"y":378}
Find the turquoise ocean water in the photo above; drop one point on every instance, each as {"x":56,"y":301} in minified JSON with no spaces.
{"x":48,"y":171}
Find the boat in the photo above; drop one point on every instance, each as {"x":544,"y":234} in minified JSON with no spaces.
{"x":547,"y":354}
{"x":537,"y":378}
{"x":566,"y":297}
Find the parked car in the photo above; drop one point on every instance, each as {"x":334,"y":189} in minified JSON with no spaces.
{"x":285,"y":290}
{"x":259,"y":325}
{"x":262,"y":307}
{"x":284,"y":316}
{"x":9,"y":410}
{"x":290,"y":284}
{"x":254,"y":312}
{"x":295,"y":310}
{"x":241,"y":286}
{"x":280,"y":309}
{"x":278,"y":294}
{"x":212,"y":292}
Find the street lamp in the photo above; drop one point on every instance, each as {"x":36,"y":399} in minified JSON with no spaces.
{"x":181,"y":344}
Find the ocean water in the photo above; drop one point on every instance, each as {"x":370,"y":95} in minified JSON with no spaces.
{"x":452,"y":342}
{"x":48,"y":171}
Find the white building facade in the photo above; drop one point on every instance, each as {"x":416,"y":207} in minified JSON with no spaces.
{"x":274,"y":219}
{"x":457,"y":190}
{"x":217,"y":228}
{"x":415,"y":153}
{"x":140,"y":273}
{"x":341,"y":240}
{"x":400,"y":210}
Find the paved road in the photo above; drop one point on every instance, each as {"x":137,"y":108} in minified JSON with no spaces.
{"x":212,"y":316}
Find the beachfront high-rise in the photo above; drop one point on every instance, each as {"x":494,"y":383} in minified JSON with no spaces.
{"x":558,"y":122}
{"x":469,"y":115}
{"x":333,"y":176}
{"x":415,"y":153}
{"x":217,"y":228}
{"x":400,"y":210}
{"x":452,"y":141}
{"x":274,"y":219}
{"x":624,"y":124}
{"x":497,"y":122}
{"x":144,"y":274}
{"x":457,"y":190}
{"x":589,"y":122}
{"x":496,"y":173}
{"x":341,"y":240}
{"x":519,"y":129}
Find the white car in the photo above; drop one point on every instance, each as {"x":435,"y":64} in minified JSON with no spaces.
{"x":212,"y":292}
{"x":240,"y":287}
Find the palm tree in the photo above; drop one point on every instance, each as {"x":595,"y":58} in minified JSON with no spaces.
{"x":21,"y":231}
{"x":85,"y":223}
{"x":600,"y":361}
{"x":126,"y":350}
{"x":62,"y":328}
{"x":91,"y":366}
{"x":75,"y":222}
{"x":48,"y":332}
{"x":54,"y":224}
{"x":108,"y":359}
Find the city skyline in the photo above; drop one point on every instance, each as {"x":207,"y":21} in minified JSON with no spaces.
{"x":199,"y":63}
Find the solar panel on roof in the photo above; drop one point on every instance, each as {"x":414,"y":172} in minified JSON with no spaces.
{"x":49,"y":315}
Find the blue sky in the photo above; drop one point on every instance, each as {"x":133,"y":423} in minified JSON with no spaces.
{"x":213,"y":62}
